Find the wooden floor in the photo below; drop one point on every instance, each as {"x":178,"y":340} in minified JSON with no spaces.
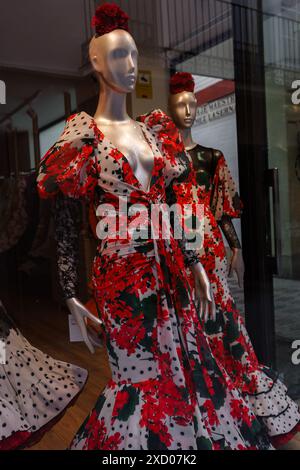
{"x":294,"y":444}
{"x":46,"y":327}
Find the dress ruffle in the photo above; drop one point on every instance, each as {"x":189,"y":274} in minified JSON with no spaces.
{"x":271,"y":403}
{"x":261,"y":387}
{"x":142,"y":416}
{"x":34,"y":388}
{"x":69,"y":166}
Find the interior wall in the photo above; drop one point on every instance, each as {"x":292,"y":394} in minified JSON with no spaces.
{"x":48,"y":105}
{"x":160,"y":86}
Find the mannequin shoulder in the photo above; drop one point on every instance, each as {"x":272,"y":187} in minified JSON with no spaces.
{"x":79,"y":125}
{"x":212,"y":153}
{"x":217,"y":154}
{"x":156,"y":117}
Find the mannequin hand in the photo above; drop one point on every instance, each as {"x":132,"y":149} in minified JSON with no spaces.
{"x":80,"y":313}
{"x":237,"y":266}
{"x":203,"y":294}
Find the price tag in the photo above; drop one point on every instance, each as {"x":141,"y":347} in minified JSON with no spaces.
{"x":2,"y":352}
{"x":74,"y":331}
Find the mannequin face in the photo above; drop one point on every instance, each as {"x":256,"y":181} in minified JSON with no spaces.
{"x":183,"y":108}
{"x":114,"y":57}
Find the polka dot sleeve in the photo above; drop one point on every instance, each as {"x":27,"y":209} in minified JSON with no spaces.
{"x":70,"y":165}
{"x":225,"y":198}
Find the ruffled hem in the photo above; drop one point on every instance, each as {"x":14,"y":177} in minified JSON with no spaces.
{"x":39,"y":408}
{"x":133,"y":416}
{"x":24,"y":439}
{"x":271,"y":403}
{"x":34,"y":387}
{"x":263,"y":391}
{"x":279,"y":441}
{"x":15,"y":441}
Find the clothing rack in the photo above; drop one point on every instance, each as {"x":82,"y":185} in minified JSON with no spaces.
{"x":21,"y":173}
{"x":25,"y":103}
{"x":35,"y":128}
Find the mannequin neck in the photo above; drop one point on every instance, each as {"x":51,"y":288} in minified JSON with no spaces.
{"x":187,"y":138}
{"x":111,"y":105}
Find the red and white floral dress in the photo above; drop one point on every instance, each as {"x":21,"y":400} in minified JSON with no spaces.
{"x":167,"y":391}
{"x":227,"y":336}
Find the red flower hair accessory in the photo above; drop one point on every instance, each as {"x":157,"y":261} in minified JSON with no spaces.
{"x":109,"y":17}
{"x":182,"y":81}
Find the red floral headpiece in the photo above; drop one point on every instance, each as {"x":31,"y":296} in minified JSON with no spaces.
{"x":182,"y":81}
{"x":109,"y":17}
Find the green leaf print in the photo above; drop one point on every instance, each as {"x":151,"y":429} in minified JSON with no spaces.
{"x":203,"y":443}
{"x":146,"y":343}
{"x":83,"y":432}
{"x":195,"y":424}
{"x":232,"y":330}
{"x":219,"y":396}
{"x":213,"y":327}
{"x":251,"y":434}
{"x":154,"y":442}
{"x":237,"y":351}
{"x":112,"y":354}
{"x":182,"y":293}
{"x":149,"y":307}
{"x":200,"y":383}
{"x":100,"y":402}
{"x":133,"y":300}
{"x":129,"y":408}
{"x":165,"y":269}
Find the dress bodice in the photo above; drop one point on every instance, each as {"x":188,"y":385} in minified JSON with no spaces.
{"x":202,"y":179}
{"x":205,"y":161}
{"x":83,"y":163}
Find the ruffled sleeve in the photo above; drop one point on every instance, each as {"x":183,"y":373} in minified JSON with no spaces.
{"x":170,"y":143}
{"x":225,"y":200}
{"x":70,"y":165}
{"x":168,"y":140}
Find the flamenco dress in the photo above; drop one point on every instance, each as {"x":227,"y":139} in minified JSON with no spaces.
{"x":167,"y":391}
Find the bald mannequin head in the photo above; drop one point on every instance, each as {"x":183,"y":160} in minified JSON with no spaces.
{"x":183,"y":108}
{"x":114,"y":57}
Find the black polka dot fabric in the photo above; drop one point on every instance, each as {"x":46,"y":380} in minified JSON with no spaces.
{"x":34,"y":387}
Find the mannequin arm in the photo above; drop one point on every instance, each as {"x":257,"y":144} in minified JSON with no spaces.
{"x":204,"y":299}
{"x":203,"y":295}
{"x":236,"y":262}
{"x":229,"y":231}
{"x":67,"y":223}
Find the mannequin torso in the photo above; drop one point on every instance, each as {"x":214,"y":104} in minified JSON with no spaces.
{"x":205,"y":161}
{"x":129,"y":138}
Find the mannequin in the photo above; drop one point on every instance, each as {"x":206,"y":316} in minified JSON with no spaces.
{"x":117,"y":76}
{"x":227,"y":335}
{"x":167,"y":391}
{"x":183,"y":108}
